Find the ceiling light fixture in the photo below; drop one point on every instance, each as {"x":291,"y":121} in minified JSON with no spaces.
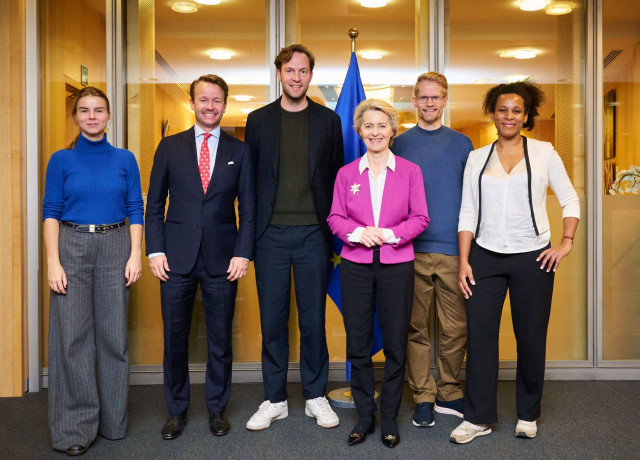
{"x":373,"y":3}
{"x":532,"y":5}
{"x":246,"y":110}
{"x":220,"y":55}
{"x":558,"y":8}
{"x":242,"y":97}
{"x":371,"y":54}
{"x":208,"y":2}
{"x":184,"y":7}
{"x":522,"y":53}
{"x":408,"y":125}
{"x":480,"y":80}
{"x":515,"y":78}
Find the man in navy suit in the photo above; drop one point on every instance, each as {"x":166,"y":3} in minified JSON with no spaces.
{"x":297,"y":149}
{"x":204,"y":170}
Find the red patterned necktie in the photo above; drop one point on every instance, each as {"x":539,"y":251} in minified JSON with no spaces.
{"x":203,"y":165}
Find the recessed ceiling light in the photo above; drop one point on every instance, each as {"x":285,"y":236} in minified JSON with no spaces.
{"x":525,"y":54}
{"x":373,"y":3}
{"x":408,"y":125}
{"x":480,"y":80}
{"x":246,"y":110}
{"x":558,"y":8}
{"x":220,"y":55}
{"x":532,"y":5}
{"x":522,"y":53}
{"x":208,"y":2}
{"x":515,"y":78}
{"x":371,"y":54}
{"x":242,"y":97}
{"x":184,"y":7}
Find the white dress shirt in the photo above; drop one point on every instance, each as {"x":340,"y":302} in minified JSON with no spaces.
{"x":376,"y":186}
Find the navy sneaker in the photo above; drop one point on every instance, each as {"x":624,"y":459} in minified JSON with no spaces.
{"x":423,"y":416}
{"x":455,"y":407}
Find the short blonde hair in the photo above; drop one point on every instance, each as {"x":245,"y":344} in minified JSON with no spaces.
{"x":435,"y":77}
{"x":379,"y":105}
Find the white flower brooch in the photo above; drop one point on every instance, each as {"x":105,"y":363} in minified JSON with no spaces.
{"x":355,"y":188}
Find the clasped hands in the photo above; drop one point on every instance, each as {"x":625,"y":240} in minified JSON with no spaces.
{"x":372,"y":236}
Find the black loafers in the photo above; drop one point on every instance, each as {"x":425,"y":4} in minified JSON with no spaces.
{"x":218,"y":424}
{"x":390,"y":436}
{"x":76,"y":450}
{"x":360,"y":431}
{"x":391,"y":440}
{"x":173,"y":427}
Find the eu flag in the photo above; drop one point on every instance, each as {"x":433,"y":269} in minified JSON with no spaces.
{"x":351,"y":95}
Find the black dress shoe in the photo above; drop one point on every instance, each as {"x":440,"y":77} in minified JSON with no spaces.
{"x":218,"y":424}
{"x":76,"y":450}
{"x":173,"y":427}
{"x":390,"y":436}
{"x":365,"y":426}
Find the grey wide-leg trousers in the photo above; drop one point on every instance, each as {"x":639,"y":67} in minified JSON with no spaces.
{"x":88,"y":355}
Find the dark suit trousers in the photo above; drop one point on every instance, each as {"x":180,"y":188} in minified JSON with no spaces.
{"x":392,"y":286}
{"x":218,"y":296}
{"x":530,"y":291}
{"x":304,"y":248}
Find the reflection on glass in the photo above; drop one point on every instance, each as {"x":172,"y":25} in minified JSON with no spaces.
{"x":501,"y":43}
{"x":166,"y":51}
{"x":621,"y":180}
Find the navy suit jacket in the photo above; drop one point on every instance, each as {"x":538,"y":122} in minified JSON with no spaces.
{"x":326,"y":157}
{"x":194,"y":218}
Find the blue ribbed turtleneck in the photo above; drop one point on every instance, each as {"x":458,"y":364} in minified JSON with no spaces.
{"x":95,"y":183}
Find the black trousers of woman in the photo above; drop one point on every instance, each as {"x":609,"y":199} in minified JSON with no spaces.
{"x":392,"y":286}
{"x":530,"y":290}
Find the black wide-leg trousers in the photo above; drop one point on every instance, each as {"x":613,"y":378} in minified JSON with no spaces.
{"x":392,"y":286}
{"x":530,"y":290}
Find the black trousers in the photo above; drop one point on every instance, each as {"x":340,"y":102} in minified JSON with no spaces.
{"x":392,"y":286}
{"x":304,"y":249}
{"x":177,"y":297}
{"x":530,"y":290}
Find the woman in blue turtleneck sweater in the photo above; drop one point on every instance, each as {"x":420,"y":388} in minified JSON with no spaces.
{"x":91,"y":189}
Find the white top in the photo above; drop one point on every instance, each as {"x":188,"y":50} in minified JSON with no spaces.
{"x":212,"y":143}
{"x":547,"y":170}
{"x":376,"y":186}
{"x":506,"y":224}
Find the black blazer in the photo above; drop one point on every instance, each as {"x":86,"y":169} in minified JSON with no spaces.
{"x":326,"y":157}
{"x":193,"y":218}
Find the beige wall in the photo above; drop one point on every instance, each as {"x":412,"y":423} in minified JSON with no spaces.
{"x":13,"y":354}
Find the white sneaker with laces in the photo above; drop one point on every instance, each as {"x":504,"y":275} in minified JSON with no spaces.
{"x":267,"y":412}
{"x":467,"y":432}
{"x":526,"y":429}
{"x":320,"y":409}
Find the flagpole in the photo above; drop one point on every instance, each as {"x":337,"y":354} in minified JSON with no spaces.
{"x":342,"y":397}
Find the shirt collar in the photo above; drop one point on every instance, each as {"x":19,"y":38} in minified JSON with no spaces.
{"x":199,"y":131}
{"x":364,"y":162}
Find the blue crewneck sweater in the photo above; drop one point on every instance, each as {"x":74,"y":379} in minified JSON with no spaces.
{"x":95,"y":183}
{"x":441,"y":155}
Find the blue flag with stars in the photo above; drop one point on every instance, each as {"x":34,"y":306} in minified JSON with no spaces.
{"x":351,"y":95}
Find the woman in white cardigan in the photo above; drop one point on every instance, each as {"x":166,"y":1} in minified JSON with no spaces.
{"x":504,"y":239}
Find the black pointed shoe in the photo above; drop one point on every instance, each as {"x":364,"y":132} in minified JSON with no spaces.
{"x":218,"y":424}
{"x":391,"y":440}
{"x":361,"y":430}
{"x":76,"y":450}
{"x":390,"y":436}
{"x":173,"y":427}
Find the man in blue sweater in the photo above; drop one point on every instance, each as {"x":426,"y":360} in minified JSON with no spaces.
{"x":441,"y":154}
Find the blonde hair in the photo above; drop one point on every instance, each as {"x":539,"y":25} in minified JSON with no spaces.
{"x":381,"y":106}
{"x":435,"y":77}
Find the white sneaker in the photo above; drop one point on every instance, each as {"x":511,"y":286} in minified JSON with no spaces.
{"x":467,"y":432}
{"x":320,"y":409}
{"x":267,"y":413}
{"x":526,"y":429}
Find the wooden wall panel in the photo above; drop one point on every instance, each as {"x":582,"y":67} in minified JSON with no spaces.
{"x":12,"y":188}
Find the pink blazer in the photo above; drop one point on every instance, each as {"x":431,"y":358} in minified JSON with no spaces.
{"x":403,"y":210}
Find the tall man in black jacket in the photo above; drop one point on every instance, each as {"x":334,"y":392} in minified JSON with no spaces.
{"x":297,"y":149}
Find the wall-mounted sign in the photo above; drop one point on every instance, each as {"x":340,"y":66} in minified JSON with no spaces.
{"x":84,"y":75}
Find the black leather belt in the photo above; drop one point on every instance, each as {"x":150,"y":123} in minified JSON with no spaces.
{"x":85,"y":228}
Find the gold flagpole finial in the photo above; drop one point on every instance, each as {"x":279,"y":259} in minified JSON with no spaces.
{"x":353,"y":34}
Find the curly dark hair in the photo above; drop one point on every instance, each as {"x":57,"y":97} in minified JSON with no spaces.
{"x":528,"y":91}
{"x":286,"y":54}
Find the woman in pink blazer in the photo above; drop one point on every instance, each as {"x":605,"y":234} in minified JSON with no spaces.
{"x":379,"y":207}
